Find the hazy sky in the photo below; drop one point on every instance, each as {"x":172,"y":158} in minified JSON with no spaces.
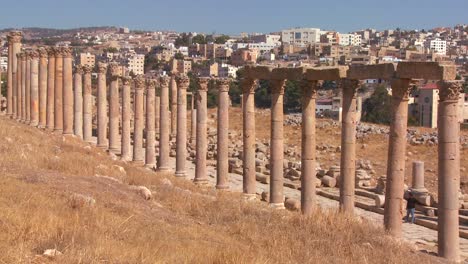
{"x":234,"y":16}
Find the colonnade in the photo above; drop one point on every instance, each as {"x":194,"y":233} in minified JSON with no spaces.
{"x":43,"y":92}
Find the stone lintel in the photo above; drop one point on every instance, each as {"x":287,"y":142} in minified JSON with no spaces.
{"x":325,"y":73}
{"x":426,"y":70}
{"x":287,"y":73}
{"x":258,"y":72}
{"x":374,"y":71}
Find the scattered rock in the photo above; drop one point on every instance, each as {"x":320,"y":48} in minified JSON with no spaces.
{"x":79,"y":200}
{"x":142,"y":191}
{"x":51,"y":253}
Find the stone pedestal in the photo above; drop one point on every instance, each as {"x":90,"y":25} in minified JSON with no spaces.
{"x":164,"y":127}
{"x":78,"y":102}
{"x":50,"y":117}
{"x":34,"y":82}
{"x":276,"y":144}
{"x":173,"y":88}
{"x":14,"y":47}
{"x":222,"y":156}
{"x":248,"y":114}
{"x":396,"y":157}
{"x":102,"y":106}
{"x":201,"y":140}
{"x":67,"y":92}
{"x":308,"y":155}
{"x":42,"y":87}
{"x":138,"y":152}
{"x":418,"y":177}
{"x":58,"y":94}
{"x":150,"y":154}
{"x":114,"y":107}
{"x":348,"y":145}
{"x":448,"y":127}
{"x":181,"y":137}
{"x":87,"y":105}
{"x":126,"y":116}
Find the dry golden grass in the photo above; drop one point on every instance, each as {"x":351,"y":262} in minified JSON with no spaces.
{"x":181,"y":224}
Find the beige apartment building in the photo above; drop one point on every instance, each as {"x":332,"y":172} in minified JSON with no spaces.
{"x":136,"y":63}
{"x":181,"y":66}
{"x":241,"y":57}
{"x":87,"y":59}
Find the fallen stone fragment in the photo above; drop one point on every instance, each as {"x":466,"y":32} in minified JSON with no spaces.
{"x":142,"y":191}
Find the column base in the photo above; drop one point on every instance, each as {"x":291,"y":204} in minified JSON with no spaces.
{"x":202,"y":181}
{"x":222,"y":187}
{"x":113,"y":150}
{"x":138,"y":162}
{"x":276,"y":205}
{"x":249,"y":196}
{"x":150,"y":166}
{"x":163,"y":169}
{"x":40,"y":126}
{"x":34,"y":124}
{"x":125,"y":158}
{"x":181,"y":174}
{"x":58,"y":131}
{"x":101,"y":146}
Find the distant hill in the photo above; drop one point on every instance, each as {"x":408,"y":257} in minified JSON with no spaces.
{"x":35,"y":32}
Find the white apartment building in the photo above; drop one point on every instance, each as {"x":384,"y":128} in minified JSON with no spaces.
{"x":261,"y":47}
{"x":438,"y":46}
{"x":136,"y":63}
{"x":266,"y":38}
{"x":349,"y":39}
{"x":227,"y":70}
{"x":4,"y":63}
{"x":300,"y":36}
{"x":87,"y":59}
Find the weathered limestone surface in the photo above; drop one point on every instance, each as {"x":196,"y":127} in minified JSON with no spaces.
{"x":150,"y":153}
{"x":181,"y":137}
{"x":14,"y":47}
{"x":78,"y":102}
{"x":23,"y":86}
{"x":58,"y":91}
{"x":418,"y":177}
{"x":28,"y":87}
{"x":50,"y":117}
{"x":126,"y":116}
{"x":164,"y":128}
{"x":173,"y":90}
{"x":102,"y":106}
{"x":114,"y":107}
{"x":222,"y":159}
{"x":325,"y":73}
{"x":138,"y":153}
{"x":87,"y":105}
{"x":67,"y":92}
{"x":17,"y":91}
{"x":34,"y":82}
{"x":201,"y":140}
{"x":42,"y":87}
{"x":361,"y":72}
{"x":248,"y":114}
{"x":425,"y":70}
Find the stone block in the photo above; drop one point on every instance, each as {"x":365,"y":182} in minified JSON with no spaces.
{"x":426,"y":70}
{"x":375,"y":71}
{"x":258,"y":72}
{"x":287,"y":73}
{"x":325,"y":73}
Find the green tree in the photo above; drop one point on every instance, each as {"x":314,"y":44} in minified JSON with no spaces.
{"x":182,"y":40}
{"x":292,"y":96}
{"x":200,"y":39}
{"x":377,"y":108}
{"x":221,"y":39}
{"x":179,"y":56}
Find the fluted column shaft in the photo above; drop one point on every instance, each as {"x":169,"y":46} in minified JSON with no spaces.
{"x":448,"y":127}
{"x":193,"y":122}
{"x":396,"y":157}
{"x":102,"y":106}
{"x":14,"y":47}
{"x":87,"y":105}
{"x":78,"y":102}
{"x":42,"y":87}
{"x":150,"y":153}
{"x":50,"y":116}
{"x":164,"y":127}
{"x":222,"y":157}
{"x":23,"y":87}
{"x":201,"y":140}
{"x":308,"y":154}
{"x":114,"y":107}
{"x":28,"y":87}
{"x":138,"y":155}
{"x":34,"y":96}
{"x":19,"y":96}
{"x":58,"y":91}
{"x":67,"y":92}
{"x":181,"y":137}
{"x":248,"y":114}
{"x":157,"y":113}
{"x":173,"y":87}
{"x":126,"y":116}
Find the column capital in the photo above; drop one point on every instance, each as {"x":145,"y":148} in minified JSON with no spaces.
{"x":113,"y":70}
{"x":14,"y":36}
{"x":310,"y":85}
{"x":183,"y":81}
{"x":401,"y":88}
{"x":139,"y":82}
{"x":449,"y":90}
{"x":151,"y":84}
{"x":248,"y":85}
{"x":59,"y":52}
{"x":223,"y":84}
{"x":19,"y":55}
{"x":350,"y":84}
{"x":202,"y":83}
{"x":164,"y":81}
{"x":87,"y":69}
{"x":33,"y":55}
{"x":277,"y":86}
{"x":101,"y":67}
{"x":67,"y":52}
{"x":42,"y":52}
{"x":79,"y":69}
{"x":126,"y":80}
{"x":51,"y":51}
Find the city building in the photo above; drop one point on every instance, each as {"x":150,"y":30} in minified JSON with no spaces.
{"x":181,"y":66}
{"x":300,"y":36}
{"x":266,"y":38}
{"x":242,"y":56}
{"x":136,"y":63}
{"x":87,"y":59}
{"x":349,"y":39}
{"x":3,"y":64}
{"x":438,"y":46}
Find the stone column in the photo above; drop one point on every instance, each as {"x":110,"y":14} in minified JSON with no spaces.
{"x":138,"y":155}
{"x":173,"y":88}
{"x":28,"y":87}
{"x":102,"y":106}
{"x":157,"y":113}
{"x":193,"y":122}
{"x":78,"y":103}
{"x":164,"y":127}
{"x":87,"y":105}
{"x":396,"y":157}
{"x":308,"y":155}
{"x":150,"y":153}
{"x":67,"y":91}
{"x":448,"y":127}
{"x":19,"y":96}
{"x":50,"y":117}
{"x":222,"y":157}
{"x":181,"y":138}
{"x":114,"y":107}
{"x":42,"y":87}
{"x":201,"y":140}
{"x":126,"y":116}
{"x":348,"y":145}
{"x":276,"y":145}
{"x":58,"y":92}
{"x":248,"y":118}
{"x":418,"y":177}
{"x":23,"y":87}
{"x":34,"y":96}
{"x":14,"y":47}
